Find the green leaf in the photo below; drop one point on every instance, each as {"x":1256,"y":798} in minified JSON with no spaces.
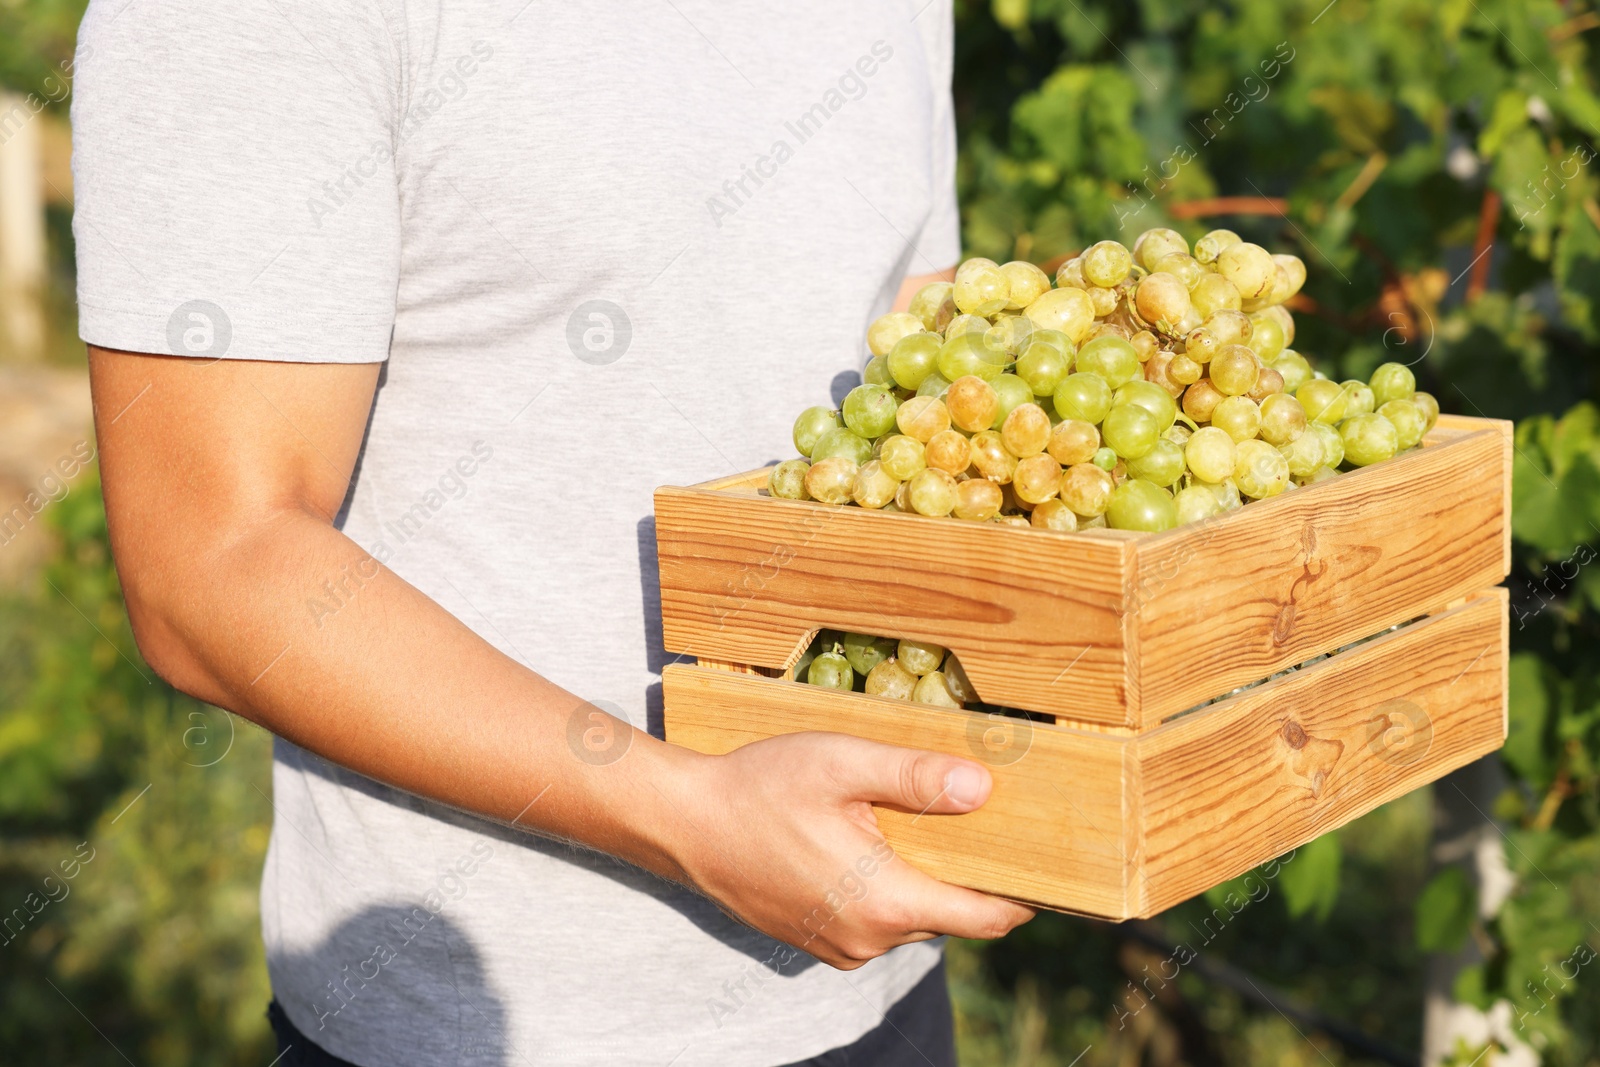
{"x":1510,"y":113}
{"x":1526,"y":751}
{"x":1445,"y":910}
{"x":1311,"y":880}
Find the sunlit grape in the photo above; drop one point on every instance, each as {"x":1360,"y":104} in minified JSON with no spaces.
{"x":873,"y":486}
{"x":932,"y":689}
{"x":1010,"y":392}
{"x":901,"y":455}
{"x":1187,"y":269}
{"x":830,"y":480}
{"x":1234,"y":370}
{"x":811,"y":425}
{"x":972,"y":403}
{"x":841,"y":442}
{"x":1106,"y":458}
{"x":1054,"y":514}
{"x":1294,"y":269}
{"x":1105,"y":263}
{"x":1392,"y":381}
{"x":1332,"y":443}
{"x":1430,"y":407}
{"x":1239,"y":416}
{"x":1112,"y":358}
{"x":1282,"y":419}
{"x":966,"y":324}
{"x":1266,"y":337}
{"x":1213,"y":293}
{"x":1195,"y":504}
{"x":977,"y":499}
{"x":934,"y":305}
{"x":1184,"y":370}
{"x":1026,"y":430}
{"x":1083,"y":396}
{"x":1130,"y":430}
{"x":1210,"y":454}
{"x":921,"y":417}
{"x":1248,"y":266}
{"x":1104,"y":301}
{"x":1036,"y":479}
{"x":990,"y":455}
{"x":948,"y":451}
{"x":981,"y":289}
{"x":931,"y":492}
{"x":1304,"y":454}
{"x":869,"y":410}
{"x":1268,"y":382}
{"x":1321,"y":474}
{"x":1042,"y":365}
{"x":1281,"y":316}
{"x":1162,"y":299}
{"x":1070,"y":274}
{"x":1201,"y":344}
{"x":934,"y":384}
{"x":1211,"y":245}
{"x":1360,"y":400}
{"x":1323,"y":400}
{"x":889,"y":679}
{"x":1073,"y":441}
{"x":1201,"y":399}
{"x":1067,"y":310}
{"x":913,"y":358}
{"x":1368,"y":438}
{"x":1294,"y":368}
{"x":1024,"y":283}
{"x":788,"y":480}
{"x":921,"y":658}
{"x":1138,"y":505}
{"x":1259,"y":469}
{"x":971,"y":353}
{"x":1144,"y":344}
{"x":886,"y":331}
{"x":1162,"y":465}
{"x":831,"y":670}
{"x":864,"y":652}
{"x":1152,"y":245}
{"x":1150,"y":396}
{"x":1010,"y":332}
{"x":1410,"y":422}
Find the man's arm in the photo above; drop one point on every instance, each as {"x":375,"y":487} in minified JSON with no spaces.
{"x":221,"y":483}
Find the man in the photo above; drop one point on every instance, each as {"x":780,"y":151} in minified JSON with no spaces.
{"x":397,"y":314}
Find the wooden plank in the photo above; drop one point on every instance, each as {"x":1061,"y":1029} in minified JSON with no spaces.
{"x":1223,"y":603}
{"x":1053,"y":831}
{"x":1225,"y":790}
{"x":1037,"y":617}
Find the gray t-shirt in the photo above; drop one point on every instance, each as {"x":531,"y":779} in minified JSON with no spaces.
{"x":602,"y":248}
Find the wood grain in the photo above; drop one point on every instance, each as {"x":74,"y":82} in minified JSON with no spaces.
{"x":1126,"y":826}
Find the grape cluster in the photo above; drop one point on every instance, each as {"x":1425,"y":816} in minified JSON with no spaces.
{"x":1142,"y":390}
{"x":885,"y":667}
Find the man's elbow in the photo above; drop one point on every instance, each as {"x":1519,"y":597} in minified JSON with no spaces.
{"x":166,"y":642}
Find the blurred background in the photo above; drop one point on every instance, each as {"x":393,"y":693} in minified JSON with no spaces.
{"x":1432,"y":161}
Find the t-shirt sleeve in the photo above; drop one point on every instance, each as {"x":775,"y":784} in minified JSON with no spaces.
{"x":940,"y":241}
{"x":234,"y":176}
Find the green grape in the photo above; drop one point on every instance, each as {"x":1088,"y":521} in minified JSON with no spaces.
{"x":1361,"y":401}
{"x":1410,"y":422}
{"x":1010,"y":393}
{"x":1214,"y":294}
{"x":1183,"y":266}
{"x":839,"y":441}
{"x":990,"y":456}
{"x":949,"y":451}
{"x":1138,"y":505}
{"x":1130,"y":430}
{"x":1259,"y":469}
{"x":1211,"y":245}
{"x":869,"y":410}
{"x":1043,"y":366}
{"x":1239,"y":416}
{"x":1429,"y":406}
{"x":788,"y":479}
{"x":873,"y":486}
{"x":1295,"y":369}
{"x":1323,"y":400}
{"x":981,"y":289}
{"x":1105,"y":459}
{"x":1010,"y":332}
{"x":876,"y":372}
{"x":1086,"y":489}
{"x":1025,"y":283}
{"x":1026,"y":430}
{"x":830,"y":480}
{"x":1249,"y":267}
{"x":931,"y":492}
{"x":1106,"y":263}
{"x":971,"y":354}
{"x":1162,"y":298}
{"x":922,"y":416}
{"x":1054,"y":514}
{"x":832,"y":671}
{"x":1196,"y":504}
{"x":1392,"y":381}
{"x":1282,"y":418}
{"x":1332,"y":443}
{"x":1184,"y":369}
{"x":1304,"y":454}
{"x":1294,"y":269}
{"x":913,"y":358}
{"x":1068,"y":310}
{"x":921,"y":658}
{"x":1235,"y":370}
{"x":1368,"y":439}
{"x":956,"y":680}
{"x":1281,"y":316}
{"x":1036,"y":479}
{"x":934,"y":306}
{"x":1266,"y":337}
{"x":973,"y":403}
{"x":1083,"y":396}
{"x":933,"y":689}
{"x":886,"y":330}
{"x":865,"y":651}
{"x":1210,"y":454}
{"x":901,"y":455}
{"x":978,"y":500}
{"x":1152,"y":245}
{"x":811,"y":425}
{"x":966,"y":324}
{"x":1150,"y":396}
{"x":1321,"y":474}
{"x":889,"y":679}
{"x":1162,"y":465}
{"x":1073,"y":441}
{"x":933,"y":385}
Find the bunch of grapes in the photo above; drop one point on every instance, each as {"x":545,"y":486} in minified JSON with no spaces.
{"x":1144,"y":389}
{"x":884,"y":667}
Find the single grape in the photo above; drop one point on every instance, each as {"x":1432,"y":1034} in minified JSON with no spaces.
{"x":901,"y":455}
{"x":1281,"y":316}
{"x":1213,"y":294}
{"x":1248,"y":266}
{"x":869,"y":410}
{"x":1361,"y":401}
{"x":1260,"y":470}
{"x":931,"y":492}
{"x":1266,"y":337}
{"x":832,"y":670}
{"x":812,"y":424}
{"x":1073,"y":441}
{"x":889,"y":679}
{"x":932,"y":689}
{"x":1294,"y":270}
{"x":886,"y":330}
{"x":1138,"y":505}
{"x":956,"y":680}
{"x":913,"y":358}
{"x":1086,"y":489}
{"x":788,"y":480}
{"x":1234,"y":370}
{"x":1130,"y":430}
{"x":1070,"y":274}
{"x":1332,"y":443}
{"x":966,"y":324}
{"x":1201,"y":399}
{"x":1321,"y":474}
{"x":972,"y":403}
{"x":1105,"y":458}
{"x":1184,"y":369}
{"x":876,"y":372}
{"x":1323,"y":400}
{"x":873,"y":486}
{"x":865,"y":651}
{"x":1201,"y":344}
{"x":1010,"y":332}
{"x":934,"y":384}
{"x":1211,"y":245}
{"x":1239,"y":416}
{"x":990,"y":456}
{"x":1161,"y":466}
{"x":1152,"y":245}
{"x":1150,"y":396}
{"x":1036,"y":479}
{"x":948,"y":451}
{"x":1392,"y":381}
{"x":1410,"y":421}
{"x":1106,"y":263}
{"x":1304,"y":454}
{"x":1043,"y":366}
{"x":1104,"y":301}
{"x":971,"y":354}
{"x":1282,"y":419}
{"x":841,"y":442}
{"x":1085,"y":396}
{"x":831,"y":480}
{"x":1067,"y":310}
{"x":977,"y":499}
{"x":934,"y":306}
{"x":1054,"y":514}
{"x":981,"y":289}
{"x":1026,"y":430}
{"x":921,"y":658}
{"x":1025,"y":283}
{"x":1195,"y":504}
{"x":1010,"y":393}
{"x":1144,"y":345}
{"x":1184,"y":266}
{"x":1162,"y":300}
{"x":1368,"y":438}
{"x":1429,"y":406}
{"x":1112,"y":358}
{"x":1294,"y":368}
{"x":921,"y":417}
{"x":1210,"y":454}
{"x":1268,"y":383}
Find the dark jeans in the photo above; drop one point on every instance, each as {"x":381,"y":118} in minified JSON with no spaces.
{"x":917,"y":1032}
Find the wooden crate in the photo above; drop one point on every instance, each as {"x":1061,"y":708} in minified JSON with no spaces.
{"x":1124,"y":805}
